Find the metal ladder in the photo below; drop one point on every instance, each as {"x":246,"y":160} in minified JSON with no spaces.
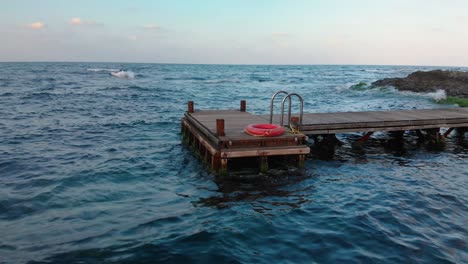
{"x":287,"y":97}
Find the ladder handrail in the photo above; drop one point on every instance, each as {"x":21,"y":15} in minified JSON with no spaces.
{"x":289,"y":111}
{"x":272,"y":101}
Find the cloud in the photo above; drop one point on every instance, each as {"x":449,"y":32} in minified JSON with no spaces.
{"x":132,"y":37}
{"x":152,"y":27}
{"x":36,"y":25}
{"x":76,"y":21}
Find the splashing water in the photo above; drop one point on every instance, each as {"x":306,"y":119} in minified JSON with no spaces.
{"x":438,"y":95}
{"x":124,"y":74}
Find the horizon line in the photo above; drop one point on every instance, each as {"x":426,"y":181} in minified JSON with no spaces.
{"x":240,"y":64}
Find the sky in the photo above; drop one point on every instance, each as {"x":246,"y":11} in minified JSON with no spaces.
{"x":375,"y":32}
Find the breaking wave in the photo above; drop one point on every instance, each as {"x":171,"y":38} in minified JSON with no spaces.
{"x":438,"y":95}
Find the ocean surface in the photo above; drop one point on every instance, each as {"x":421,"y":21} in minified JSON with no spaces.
{"x":93,"y":170}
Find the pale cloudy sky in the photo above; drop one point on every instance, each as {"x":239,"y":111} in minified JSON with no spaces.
{"x":403,"y":32}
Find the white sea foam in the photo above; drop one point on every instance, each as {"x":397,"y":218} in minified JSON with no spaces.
{"x":438,"y":95}
{"x":123,"y":74}
{"x":344,"y":87}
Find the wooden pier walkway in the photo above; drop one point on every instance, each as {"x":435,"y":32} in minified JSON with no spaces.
{"x":218,"y":135}
{"x":370,"y":121}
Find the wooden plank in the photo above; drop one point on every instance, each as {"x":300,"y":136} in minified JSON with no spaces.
{"x":385,"y":123}
{"x":234,"y":121}
{"x":209,"y":146}
{"x":202,"y":129}
{"x":259,"y":152}
{"x":375,"y":129}
{"x":316,"y":123}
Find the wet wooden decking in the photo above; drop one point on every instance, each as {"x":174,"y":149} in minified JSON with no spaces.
{"x":370,"y":121}
{"x":201,"y":130}
{"x":235,"y":143}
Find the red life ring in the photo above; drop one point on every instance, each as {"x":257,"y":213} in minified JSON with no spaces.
{"x":264,"y":130}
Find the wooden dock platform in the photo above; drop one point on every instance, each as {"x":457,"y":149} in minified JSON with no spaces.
{"x":218,"y":135}
{"x":216,"y":147}
{"x":371,"y":121}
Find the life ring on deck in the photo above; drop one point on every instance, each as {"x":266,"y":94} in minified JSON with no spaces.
{"x":264,"y":130}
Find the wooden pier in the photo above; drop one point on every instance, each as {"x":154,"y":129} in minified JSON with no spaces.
{"x":218,"y":135}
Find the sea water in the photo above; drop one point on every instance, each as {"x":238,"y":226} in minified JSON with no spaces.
{"x":93,"y":170}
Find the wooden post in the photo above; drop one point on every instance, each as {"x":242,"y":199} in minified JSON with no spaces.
{"x":200,"y":149}
{"x":301,"y":161}
{"x":243,"y":105}
{"x":183,"y":132}
{"x":206,"y":157}
{"x":434,"y":139}
{"x":190,"y":107}
{"x":397,"y":134}
{"x":215,"y":162}
{"x":263,"y":164}
{"x":223,"y":170}
{"x":220,"y":127}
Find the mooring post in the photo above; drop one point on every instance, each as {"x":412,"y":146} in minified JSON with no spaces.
{"x":220,"y":127}
{"x":190,"y":107}
{"x":243,"y":105}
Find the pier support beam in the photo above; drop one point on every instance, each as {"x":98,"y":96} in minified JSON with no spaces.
{"x":397,"y":134}
{"x":396,"y":142}
{"x":325,"y":145}
{"x":447,"y":133}
{"x":206,"y":157}
{"x":301,"y":162}
{"x":431,"y":138}
{"x":223,"y":170}
{"x":358,"y":143}
{"x":185,"y":133}
{"x":215,"y":163}
{"x":461,"y":131}
{"x":263,"y":164}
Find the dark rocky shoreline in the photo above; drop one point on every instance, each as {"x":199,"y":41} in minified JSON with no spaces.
{"x":455,"y":83}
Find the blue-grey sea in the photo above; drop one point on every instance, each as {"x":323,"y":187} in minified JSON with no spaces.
{"x":93,"y":170}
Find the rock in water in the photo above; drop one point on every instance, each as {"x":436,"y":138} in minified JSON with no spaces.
{"x":455,"y":83}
